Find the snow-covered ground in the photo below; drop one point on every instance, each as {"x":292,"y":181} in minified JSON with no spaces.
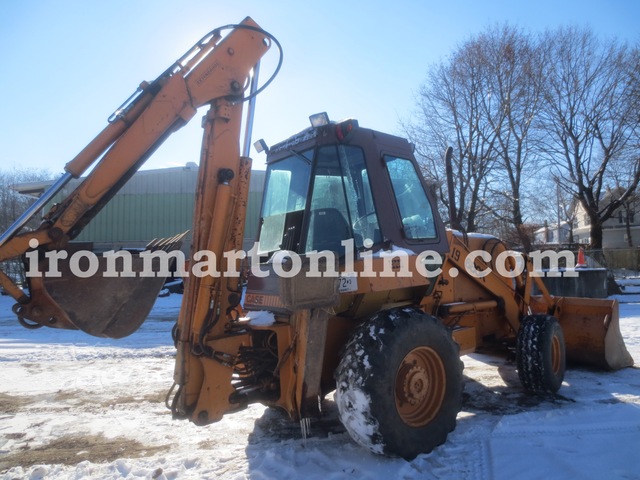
{"x":73,"y":406}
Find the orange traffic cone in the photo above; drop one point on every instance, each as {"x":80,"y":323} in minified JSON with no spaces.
{"x":581,"y":260}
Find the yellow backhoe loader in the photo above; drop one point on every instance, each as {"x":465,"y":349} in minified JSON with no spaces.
{"x":355,"y":285}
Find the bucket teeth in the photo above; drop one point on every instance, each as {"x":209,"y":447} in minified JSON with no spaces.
{"x":167,"y":244}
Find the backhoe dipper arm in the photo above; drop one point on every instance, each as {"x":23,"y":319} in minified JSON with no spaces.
{"x":215,"y":71}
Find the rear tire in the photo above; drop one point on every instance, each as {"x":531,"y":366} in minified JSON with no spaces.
{"x":399,"y":383}
{"x":540,"y":354}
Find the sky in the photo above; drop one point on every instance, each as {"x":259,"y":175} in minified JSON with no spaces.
{"x":67,"y":65}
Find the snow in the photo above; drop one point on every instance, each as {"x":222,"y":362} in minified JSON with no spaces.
{"x":260,"y":318}
{"x":355,"y":403}
{"x":351,"y":400}
{"x":76,"y":407}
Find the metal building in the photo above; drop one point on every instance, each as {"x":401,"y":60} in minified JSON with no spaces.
{"x":152,"y":204}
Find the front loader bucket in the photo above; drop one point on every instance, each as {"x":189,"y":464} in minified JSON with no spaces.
{"x":591,"y":329}
{"x":103,"y":304}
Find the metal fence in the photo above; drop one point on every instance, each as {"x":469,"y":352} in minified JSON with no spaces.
{"x":625,"y":262}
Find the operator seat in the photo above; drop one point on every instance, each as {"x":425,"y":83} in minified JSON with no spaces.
{"x":328,"y":229}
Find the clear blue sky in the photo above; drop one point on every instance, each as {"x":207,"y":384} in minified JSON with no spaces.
{"x":66,"y":65}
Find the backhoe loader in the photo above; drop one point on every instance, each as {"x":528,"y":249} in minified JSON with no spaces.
{"x":354,"y":285}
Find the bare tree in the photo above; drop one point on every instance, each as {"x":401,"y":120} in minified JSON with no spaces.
{"x":482,"y":101}
{"x":12,"y":203}
{"x":590,"y":117}
{"x":512,"y":101}
{"x":450,"y":106}
{"x":626,"y":209}
{"x":506,"y":101}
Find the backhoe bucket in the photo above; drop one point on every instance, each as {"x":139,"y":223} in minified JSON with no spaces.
{"x":103,"y":304}
{"x":591,"y":329}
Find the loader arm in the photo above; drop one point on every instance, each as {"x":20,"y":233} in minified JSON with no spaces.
{"x":215,"y":71}
{"x":591,"y":326}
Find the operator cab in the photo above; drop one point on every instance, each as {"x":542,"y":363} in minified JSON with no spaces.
{"x":337,"y":181}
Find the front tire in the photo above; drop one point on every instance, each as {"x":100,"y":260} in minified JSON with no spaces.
{"x":540,"y":354}
{"x":399,"y":383}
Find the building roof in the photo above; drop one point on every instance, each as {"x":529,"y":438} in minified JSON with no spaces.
{"x":33,"y":189}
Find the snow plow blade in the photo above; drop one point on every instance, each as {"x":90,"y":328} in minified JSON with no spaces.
{"x":591,"y":329}
{"x":102,"y":305}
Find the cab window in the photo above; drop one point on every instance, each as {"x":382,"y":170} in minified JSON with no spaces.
{"x":413,"y":204}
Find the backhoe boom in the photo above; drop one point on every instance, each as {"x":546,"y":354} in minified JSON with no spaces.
{"x":215,"y":71}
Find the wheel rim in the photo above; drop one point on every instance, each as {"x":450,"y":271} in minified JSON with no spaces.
{"x":420,"y":386}
{"x":555,"y":355}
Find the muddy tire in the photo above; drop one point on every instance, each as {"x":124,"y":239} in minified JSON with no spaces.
{"x":540,"y":354}
{"x":399,"y":383}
